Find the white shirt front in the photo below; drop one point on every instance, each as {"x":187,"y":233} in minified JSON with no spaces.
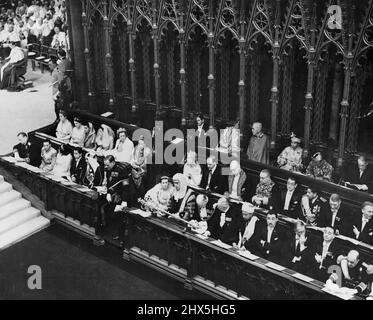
{"x":269,"y":234}
{"x":288,"y":196}
{"x":210,"y":176}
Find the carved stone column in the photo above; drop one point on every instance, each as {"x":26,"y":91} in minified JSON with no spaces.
{"x":91,"y":93}
{"x":336,"y":98}
{"x":77,"y":43}
{"x":108,"y":59}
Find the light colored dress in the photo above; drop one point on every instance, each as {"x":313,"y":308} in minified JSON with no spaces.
{"x":123,"y":151}
{"x":64,"y":131}
{"x":290,"y":159}
{"x":63,"y":165}
{"x":48,"y":159}
{"x":78,"y":136}
{"x":160,"y":197}
{"x":193,"y":173}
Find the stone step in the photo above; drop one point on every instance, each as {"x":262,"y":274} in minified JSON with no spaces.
{"x":8,"y":197}
{"x":5,"y":187}
{"x":18,"y":218}
{"x":13,"y":207}
{"x":23,"y":231}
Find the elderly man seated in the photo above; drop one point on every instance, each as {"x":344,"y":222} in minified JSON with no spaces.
{"x":236,"y":181}
{"x":267,"y":194}
{"x":248,"y":228}
{"x":355,"y":273}
{"x":224,"y":223}
{"x":16,"y":55}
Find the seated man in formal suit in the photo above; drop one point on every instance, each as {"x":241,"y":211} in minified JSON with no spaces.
{"x":236,"y":181}
{"x":212,"y":178}
{"x":16,"y":55}
{"x":267,"y":193}
{"x":248,"y":228}
{"x":296,"y":251}
{"x":270,"y":239}
{"x":204,"y":208}
{"x":290,"y":199}
{"x":355,"y":273}
{"x":78,"y":166}
{"x":335,"y":215}
{"x":312,"y":207}
{"x":25,"y":151}
{"x":224,"y":223}
{"x":360,"y":175}
{"x":324,"y":254}
{"x":361,"y":225}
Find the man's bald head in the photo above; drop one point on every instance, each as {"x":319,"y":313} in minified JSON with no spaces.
{"x":352,"y":258}
{"x":257,"y":128}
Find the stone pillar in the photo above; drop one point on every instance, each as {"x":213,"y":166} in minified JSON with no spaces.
{"x":74,"y":12}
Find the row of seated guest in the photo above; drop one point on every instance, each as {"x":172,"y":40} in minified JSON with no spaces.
{"x":358,"y":175}
{"x":247,"y":232}
{"x":84,"y":135}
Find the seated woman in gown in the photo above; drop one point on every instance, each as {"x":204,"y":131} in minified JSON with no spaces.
{"x":78,"y":135}
{"x":123,"y":151}
{"x":63,"y":163}
{"x":64,"y":128}
{"x":182,"y":201}
{"x":192,"y":170}
{"x":138,"y":171}
{"x":161,"y":193}
{"x":104,"y":139}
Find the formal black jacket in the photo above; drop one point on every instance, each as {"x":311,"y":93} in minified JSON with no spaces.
{"x":289,"y":251}
{"x":330,"y":259}
{"x":341,"y":223}
{"x":30,"y":151}
{"x":366,"y":235}
{"x":273,"y":250}
{"x":218,"y":182}
{"x":229,"y":232}
{"x":353,"y":176}
{"x":78,"y":170}
{"x":294,"y":205}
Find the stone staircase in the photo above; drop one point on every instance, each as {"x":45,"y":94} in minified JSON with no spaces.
{"x":18,"y":219}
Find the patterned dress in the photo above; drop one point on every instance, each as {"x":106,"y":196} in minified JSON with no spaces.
{"x":291,"y":159}
{"x":320,"y":170}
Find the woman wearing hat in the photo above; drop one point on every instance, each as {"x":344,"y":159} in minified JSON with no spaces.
{"x":291,"y":157}
{"x":319,"y":168}
{"x":78,"y":135}
{"x":161,"y":193}
{"x":104,"y":138}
